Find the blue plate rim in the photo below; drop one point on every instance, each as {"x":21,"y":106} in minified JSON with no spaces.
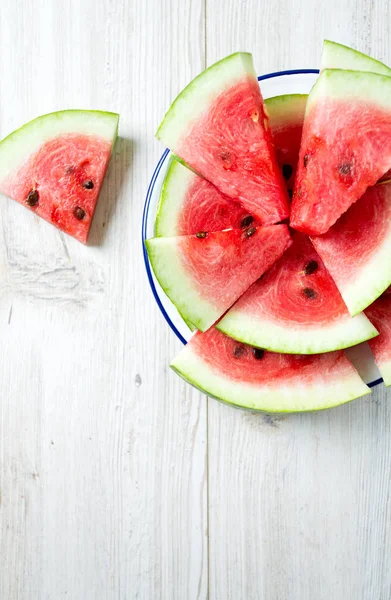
{"x":148,"y":202}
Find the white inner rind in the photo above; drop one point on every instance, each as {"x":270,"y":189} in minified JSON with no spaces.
{"x":338,"y":56}
{"x":385,"y":371}
{"x":164,"y":255}
{"x":292,"y":396}
{"x":16,"y":148}
{"x":175,"y":187}
{"x":369,"y":88}
{"x":196,"y":98}
{"x":371,"y":281}
{"x":293,"y":339}
{"x":286,"y":110}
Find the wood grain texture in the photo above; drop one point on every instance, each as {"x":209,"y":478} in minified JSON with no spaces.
{"x":113,"y":471}
{"x":102,"y":454}
{"x":299,"y":506}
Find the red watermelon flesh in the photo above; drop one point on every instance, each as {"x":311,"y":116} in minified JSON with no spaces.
{"x":380,"y":315}
{"x":345,"y":148}
{"x":238,"y":374}
{"x":295,"y":308}
{"x":357,"y":249}
{"x":62,"y":180}
{"x":232,"y":147}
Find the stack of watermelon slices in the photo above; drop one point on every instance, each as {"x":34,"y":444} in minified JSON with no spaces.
{"x":273,"y":232}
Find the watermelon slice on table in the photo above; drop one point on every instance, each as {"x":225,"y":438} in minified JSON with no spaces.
{"x":357,"y":249}
{"x":234,"y":373}
{"x":204,"y":274}
{"x":188,"y":203}
{"x":55,"y":166}
{"x":219,"y":127}
{"x":345,"y":147}
{"x":296,"y":308}
{"x":380,"y":314}
{"x":338,"y":56}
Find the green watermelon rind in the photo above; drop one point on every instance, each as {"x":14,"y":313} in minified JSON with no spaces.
{"x":385,"y":371}
{"x":286,"y":398}
{"x":197,"y":97}
{"x":342,"y":57}
{"x":189,"y":303}
{"x":363,"y":86}
{"x":292,"y":339}
{"x":283,"y":110}
{"x":19,"y":145}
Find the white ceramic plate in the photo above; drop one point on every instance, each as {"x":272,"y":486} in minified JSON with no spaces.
{"x":273,"y":84}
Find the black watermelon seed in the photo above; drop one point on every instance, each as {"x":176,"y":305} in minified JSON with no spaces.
{"x":310,"y":293}
{"x":246,"y":221}
{"x":306,"y":159}
{"x":32,"y":198}
{"x":238,"y":351}
{"x":311,"y":267}
{"x":79,"y":213}
{"x":88,"y":185}
{"x":345,"y":168}
{"x":287,"y":171}
{"x":290,"y":193}
{"x":201,"y":235}
{"x":258,"y":353}
{"x":249,"y":232}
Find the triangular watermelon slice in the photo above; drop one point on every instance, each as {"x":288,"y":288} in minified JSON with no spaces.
{"x":55,"y":165}
{"x":296,"y":308}
{"x":188,"y":204}
{"x":345,"y":147}
{"x":204,"y":274}
{"x":380,"y":314}
{"x":218,"y":125}
{"x":357,"y":249}
{"x":240,"y":375}
{"x":338,"y":56}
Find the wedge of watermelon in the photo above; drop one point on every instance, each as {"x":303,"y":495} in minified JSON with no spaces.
{"x":188,"y":203}
{"x":240,"y":375}
{"x":218,"y":126}
{"x":345,"y":148}
{"x":357,"y":249}
{"x":296,"y":308}
{"x":286,"y":122}
{"x":204,"y":274}
{"x":55,"y":165}
{"x":338,"y":56}
{"x":380,"y":314}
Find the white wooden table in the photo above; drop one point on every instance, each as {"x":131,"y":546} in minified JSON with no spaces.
{"x":116,"y":479}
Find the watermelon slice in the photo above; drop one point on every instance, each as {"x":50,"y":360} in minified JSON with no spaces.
{"x":357,"y":249}
{"x":345,"y":148}
{"x":188,"y":203}
{"x":55,"y":165}
{"x":286,"y":122}
{"x":338,"y":56}
{"x":380,"y":313}
{"x":219,"y":127}
{"x":237,"y":374}
{"x":204,"y":274}
{"x":296,"y":308}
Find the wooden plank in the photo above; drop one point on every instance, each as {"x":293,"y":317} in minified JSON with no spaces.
{"x":102,"y":452}
{"x":299,"y":505}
